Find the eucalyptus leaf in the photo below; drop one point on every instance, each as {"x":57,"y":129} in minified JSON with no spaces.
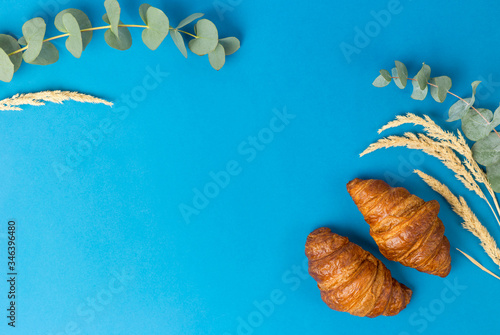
{"x":143,"y":9}
{"x":189,"y":19}
{"x":113,"y":11}
{"x":418,"y":94}
{"x":124,"y":39}
{"x":397,"y":81}
{"x":158,"y":27}
{"x":33,"y":32}
{"x":423,"y":76}
{"x":474,"y":85}
{"x":380,"y":81}
{"x":230,"y":44}
{"x":443,"y":85}
{"x":48,"y":55}
{"x":386,"y":75}
{"x":493,"y":173}
{"x":83,"y":23}
{"x":459,"y":109}
{"x":6,"y":67}
{"x":474,"y":126}
{"x":402,"y":73}
{"x":10,"y":45}
{"x":179,"y":42}
{"x":495,"y":122}
{"x":207,"y":38}
{"x":74,"y":43}
{"x":217,"y":57}
{"x":487,"y":150}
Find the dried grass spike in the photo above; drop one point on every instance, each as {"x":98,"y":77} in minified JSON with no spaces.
{"x":39,"y":99}
{"x":471,"y":222}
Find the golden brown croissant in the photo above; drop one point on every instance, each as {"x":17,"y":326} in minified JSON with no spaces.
{"x":405,"y":227}
{"x":351,"y":279}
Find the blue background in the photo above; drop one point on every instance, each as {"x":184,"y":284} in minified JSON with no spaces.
{"x":116,"y":214}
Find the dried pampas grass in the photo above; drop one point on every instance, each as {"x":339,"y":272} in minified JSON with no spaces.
{"x":458,"y":144}
{"x":454,"y":152}
{"x":471,"y":222}
{"x":39,"y":99}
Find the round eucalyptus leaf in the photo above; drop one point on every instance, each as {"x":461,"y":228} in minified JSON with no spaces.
{"x":423,"y":76}
{"x":397,"y":80}
{"x":48,"y":55}
{"x":189,"y":19}
{"x":487,"y":150}
{"x":443,"y":84}
{"x":232,"y":44}
{"x":157,"y":30}
{"x":493,"y":173}
{"x":385,"y":74}
{"x":9,"y":45}
{"x":495,"y":122}
{"x":74,"y":43}
{"x":121,"y":42}
{"x":474,"y":126}
{"x":143,"y":9}
{"x":33,"y":32}
{"x":402,"y":73}
{"x":459,"y":109}
{"x":380,"y":81}
{"x":6,"y":67}
{"x":83,"y":23}
{"x":217,"y":57}
{"x":207,"y":38}
{"x":179,"y":42}
{"x":113,"y":11}
{"x":418,"y":94}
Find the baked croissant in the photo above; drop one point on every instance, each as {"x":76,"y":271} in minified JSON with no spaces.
{"x":351,"y":279}
{"x":405,"y":227}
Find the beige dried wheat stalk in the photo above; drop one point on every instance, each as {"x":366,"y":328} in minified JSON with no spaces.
{"x":471,"y":222}
{"x":433,"y":148}
{"x":446,"y":146}
{"x":443,"y":145}
{"x":454,"y":142}
{"x":39,"y":99}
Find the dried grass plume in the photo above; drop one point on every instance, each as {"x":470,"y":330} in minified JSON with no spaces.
{"x":39,"y":99}
{"x":454,"y":152}
{"x":471,"y":222}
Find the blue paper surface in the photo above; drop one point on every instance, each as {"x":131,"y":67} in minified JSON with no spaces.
{"x":184,"y":209}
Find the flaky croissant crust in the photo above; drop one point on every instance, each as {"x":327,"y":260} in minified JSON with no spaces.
{"x":406,"y":228}
{"x":351,"y":279}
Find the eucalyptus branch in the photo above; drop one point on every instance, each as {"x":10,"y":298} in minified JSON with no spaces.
{"x":99,"y":28}
{"x":478,"y":124}
{"x":459,"y":98}
{"x":76,"y":26}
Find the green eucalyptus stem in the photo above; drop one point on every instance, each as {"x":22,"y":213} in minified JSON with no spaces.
{"x":497,"y":206}
{"x":76,"y":27}
{"x":184,"y":32}
{"x":456,"y":96}
{"x":100,"y":28}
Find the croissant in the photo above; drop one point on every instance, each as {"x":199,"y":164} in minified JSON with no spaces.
{"x":405,"y":227}
{"x":351,"y":279}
